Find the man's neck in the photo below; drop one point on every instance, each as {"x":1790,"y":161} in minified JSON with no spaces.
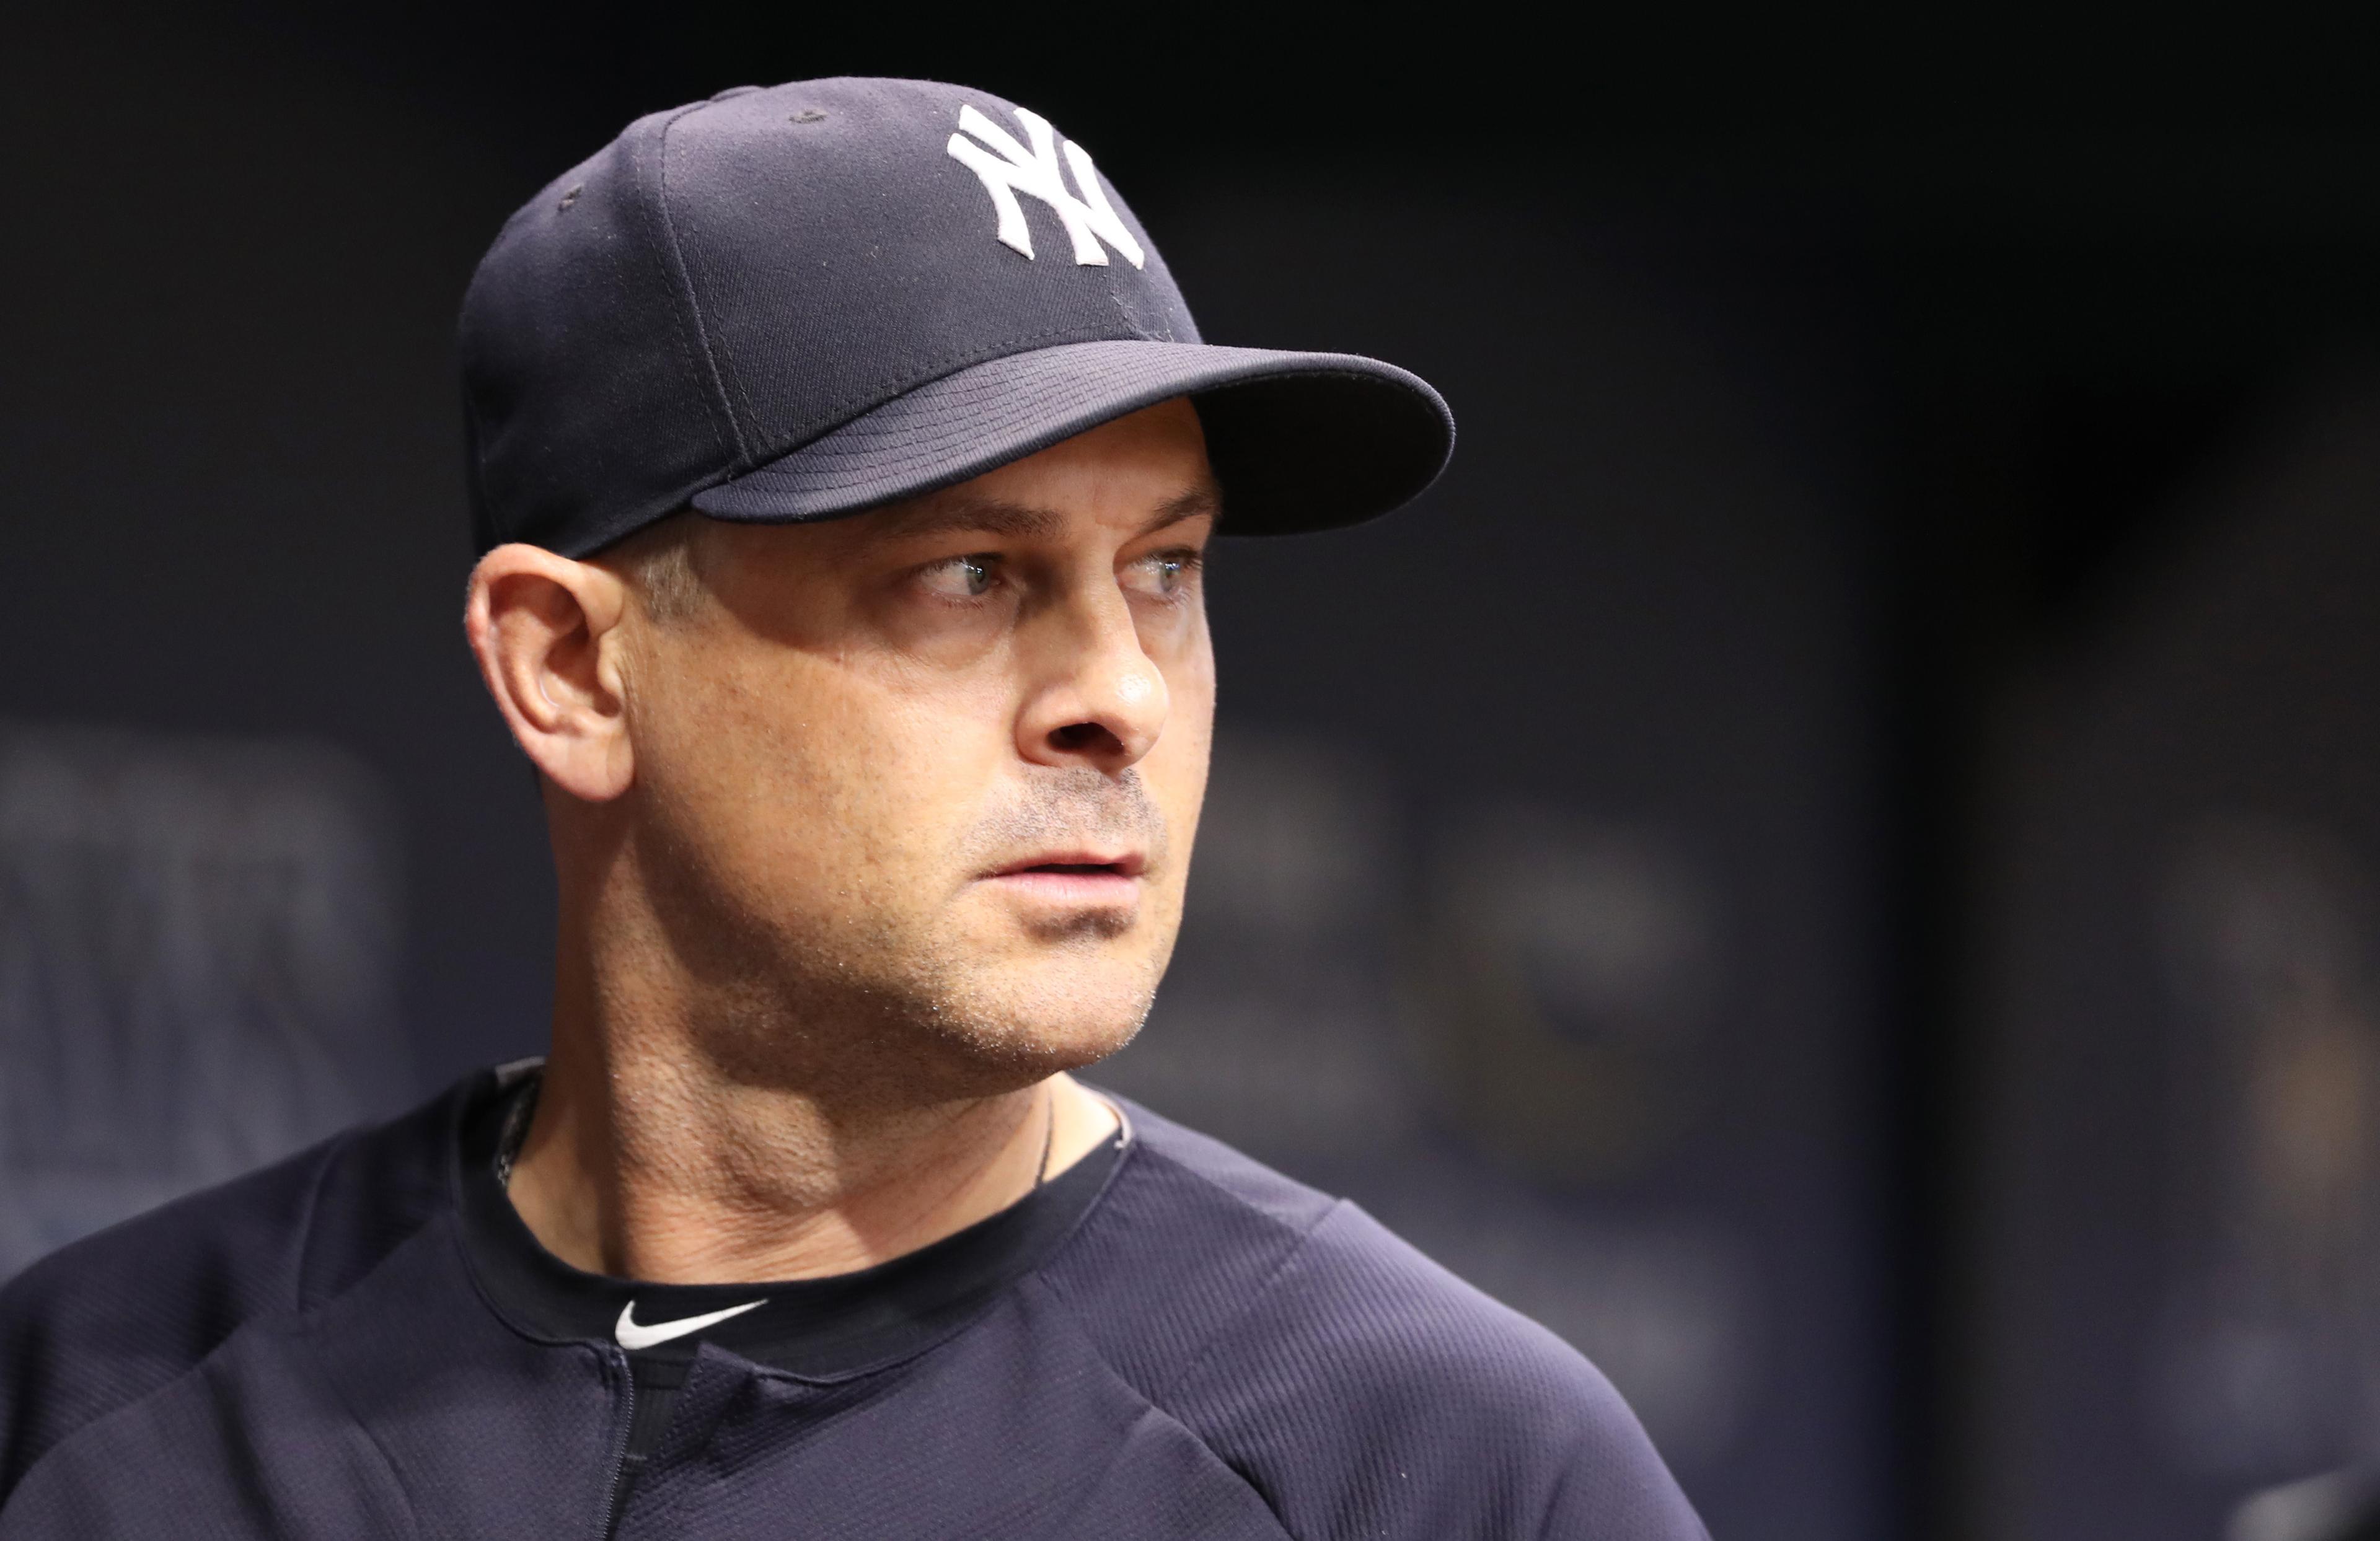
{"x":648,"y":1169}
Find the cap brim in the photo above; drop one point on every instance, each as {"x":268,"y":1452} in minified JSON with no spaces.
{"x":1299,"y":440}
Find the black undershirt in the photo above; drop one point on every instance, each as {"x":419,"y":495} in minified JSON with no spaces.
{"x":813,"y":1326}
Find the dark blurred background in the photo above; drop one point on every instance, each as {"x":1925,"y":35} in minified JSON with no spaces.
{"x":1831,"y":860}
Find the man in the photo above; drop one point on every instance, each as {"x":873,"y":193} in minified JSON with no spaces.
{"x":842,"y":460}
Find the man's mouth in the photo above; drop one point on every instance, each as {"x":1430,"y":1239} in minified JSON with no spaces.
{"x":1078,"y":877}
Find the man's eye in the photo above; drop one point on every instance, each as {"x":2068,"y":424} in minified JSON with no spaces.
{"x":962,"y":578}
{"x":1164,"y":574}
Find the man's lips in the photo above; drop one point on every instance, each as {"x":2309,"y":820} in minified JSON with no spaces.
{"x":1095,"y":876}
{"x":1076,"y":864}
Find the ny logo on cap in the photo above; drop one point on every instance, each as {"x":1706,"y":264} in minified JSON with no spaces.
{"x":1089,"y":219}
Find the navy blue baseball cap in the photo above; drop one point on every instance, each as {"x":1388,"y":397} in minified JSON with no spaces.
{"x":807,"y":300}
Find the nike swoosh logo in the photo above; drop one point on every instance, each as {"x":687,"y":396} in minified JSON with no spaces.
{"x":635,"y":1335}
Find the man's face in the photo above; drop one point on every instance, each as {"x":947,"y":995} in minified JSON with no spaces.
{"x":922,"y":784}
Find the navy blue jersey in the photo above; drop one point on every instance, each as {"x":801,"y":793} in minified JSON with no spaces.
{"x":1165,"y":1341}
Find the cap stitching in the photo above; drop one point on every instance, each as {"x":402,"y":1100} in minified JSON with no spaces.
{"x":1134,"y":382}
{"x":691,"y":310}
{"x":732,"y":387}
{"x":878,"y":471}
{"x":661,"y":506}
{"x":1259,"y":364}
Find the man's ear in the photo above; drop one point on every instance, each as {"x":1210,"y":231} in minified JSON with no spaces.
{"x":546,"y":631}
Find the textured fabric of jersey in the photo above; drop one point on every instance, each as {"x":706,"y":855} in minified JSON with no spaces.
{"x":1210,"y":1351}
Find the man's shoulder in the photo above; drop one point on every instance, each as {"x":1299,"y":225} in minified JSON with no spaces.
{"x":1342,"y":1368}
{"x":1189,"y":1229}
{"x":110,"y":1318}
{"x":1200,"y":1229}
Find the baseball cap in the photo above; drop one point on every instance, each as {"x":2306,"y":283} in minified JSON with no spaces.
{"x":807,"y":300}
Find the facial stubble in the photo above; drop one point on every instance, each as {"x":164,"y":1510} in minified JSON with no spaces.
{"x":912,"y":999}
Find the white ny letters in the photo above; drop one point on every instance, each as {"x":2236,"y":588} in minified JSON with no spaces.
{"x":1089,"y":219}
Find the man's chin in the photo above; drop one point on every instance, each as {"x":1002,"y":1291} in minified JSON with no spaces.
{"x":1042,"y":1018}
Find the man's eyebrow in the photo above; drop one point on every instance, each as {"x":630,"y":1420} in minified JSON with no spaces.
{"x":997,"y":516}
{"x":984,"y":515}
{"x":1188,"y":505}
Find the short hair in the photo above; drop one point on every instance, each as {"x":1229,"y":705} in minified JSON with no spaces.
{"x":658,"y":562}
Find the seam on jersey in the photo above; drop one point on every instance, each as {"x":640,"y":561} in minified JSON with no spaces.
{"x":303,"y":1263}
{"x":1176,"y":1163}
{"x":331,"y":1388}
{"x":292,"y":1303}
{"x":1197,"y":1358}
{"x":89,"y":1426}
{"x":299,"y":1323}
{"x":1196,"y":1364}
{"x":1244,"y":1478}
{"x":1065,"y":1308}
{"x":337,"y":1150}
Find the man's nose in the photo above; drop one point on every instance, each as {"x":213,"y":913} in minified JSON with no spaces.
{"x":1098,"y":700}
